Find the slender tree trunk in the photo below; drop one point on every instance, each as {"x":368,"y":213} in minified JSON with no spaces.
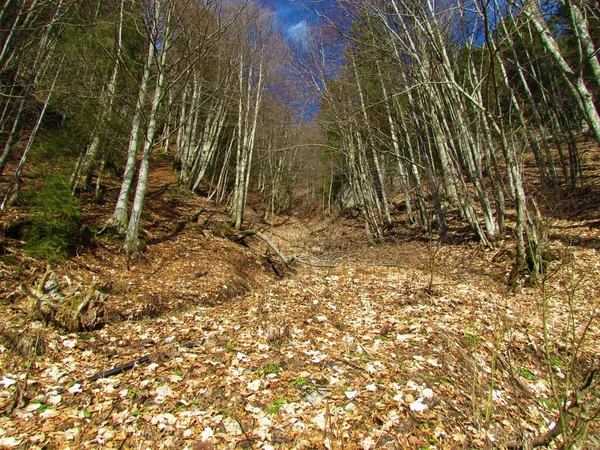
{"x":580,"y":25}
{"x":14,"y":183}
{"x":131,"y":245}
{"x":247,"y":123}
{"x":118,"y":220}
{"x":575,"y":79}
{"x":42,"y":58}
{"x":107,"y":97}
{"x":380,"y":177}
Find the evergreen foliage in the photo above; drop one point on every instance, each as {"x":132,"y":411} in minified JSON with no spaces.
{"x":56,"y":221}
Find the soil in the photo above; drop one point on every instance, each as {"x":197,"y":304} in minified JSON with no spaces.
{"x":407,"y":344}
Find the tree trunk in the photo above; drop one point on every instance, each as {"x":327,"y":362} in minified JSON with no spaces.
{"x":131,"y":245}
{"x":107,"y":97}
{"x":14,"y":183}
{"x":575,"y":79}
{"x":118,"y":220}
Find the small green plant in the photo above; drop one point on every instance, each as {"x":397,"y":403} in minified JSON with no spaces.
{"x":471,"y":338}
{"x":43,"y":406}
{"x":555,"y":361}
{"x":178,"y":371}
{"x":363,"y":358}
{"x":276,"y":405}
{"x":230,"y":345}
{"x":225,"y":412}
{"x":269,"y":368}
{"x":54,"y":232}
{"x":86,"y":413}
{"x":137,"y":412}
{"x":299,"y":382}
{"x":547,"y":403}
{"x":525,"y":373}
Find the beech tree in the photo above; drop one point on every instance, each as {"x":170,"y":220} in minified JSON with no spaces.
{"x":173,"y":52}
{"x":427,"y":116}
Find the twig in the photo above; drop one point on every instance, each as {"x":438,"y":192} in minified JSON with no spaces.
{"x":565,"y":416}
{"x":517,"y":380}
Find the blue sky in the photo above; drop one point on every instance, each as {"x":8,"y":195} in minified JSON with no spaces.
{"x":294,"y":18}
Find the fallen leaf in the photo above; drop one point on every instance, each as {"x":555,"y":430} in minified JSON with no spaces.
{"x":7,"y":382}
{"x":207,"y":434}
{"x":10,"y":442}
{"x":418,"y":405}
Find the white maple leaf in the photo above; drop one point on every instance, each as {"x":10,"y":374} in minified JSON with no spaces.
{"x":164,"y":391}
{"x":69,"y":343}
{"x":54,"y":399}
{"x":75,"y":389}
{"x":254,"y":385}
{"x":350,"y":394}
{"x":9,"y":442}
{"x":207,"y":434}
{"x":427,"y":393}
{"x":319,"y":420}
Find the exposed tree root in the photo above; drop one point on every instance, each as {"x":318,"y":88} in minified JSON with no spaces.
{"x":76,"y":310}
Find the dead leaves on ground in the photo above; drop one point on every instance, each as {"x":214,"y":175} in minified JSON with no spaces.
{"x":353,"y":357}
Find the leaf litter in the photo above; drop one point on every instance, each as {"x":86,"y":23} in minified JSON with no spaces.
{"x":367,"y":354}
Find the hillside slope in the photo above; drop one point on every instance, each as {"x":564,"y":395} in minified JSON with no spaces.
{"x":403,"y":345}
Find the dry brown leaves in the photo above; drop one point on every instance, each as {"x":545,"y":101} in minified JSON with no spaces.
{"x":364,"y":355}
{"x":359,"y":356}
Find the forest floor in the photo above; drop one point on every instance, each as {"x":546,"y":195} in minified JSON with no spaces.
{"x":408,"y":344}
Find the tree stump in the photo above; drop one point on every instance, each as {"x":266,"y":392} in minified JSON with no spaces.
{"x":74,"y":311}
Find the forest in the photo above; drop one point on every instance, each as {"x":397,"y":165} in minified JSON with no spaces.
{"x":375,"y":226}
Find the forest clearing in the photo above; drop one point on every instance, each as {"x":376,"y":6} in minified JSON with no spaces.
{"x":338,"y":224}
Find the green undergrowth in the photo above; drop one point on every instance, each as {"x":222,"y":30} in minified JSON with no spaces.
{"x":55,"y":229}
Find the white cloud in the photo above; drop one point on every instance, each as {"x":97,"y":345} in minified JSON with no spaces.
{"x":298,"y":33}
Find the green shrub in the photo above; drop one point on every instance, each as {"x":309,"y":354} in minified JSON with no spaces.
{"x":55,"y":226}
